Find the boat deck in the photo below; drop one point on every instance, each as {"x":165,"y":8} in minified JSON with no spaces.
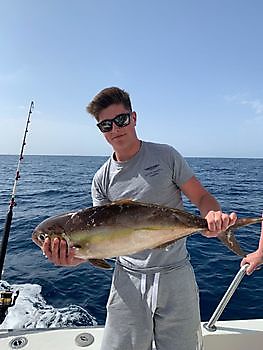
{"x":230,"y":335}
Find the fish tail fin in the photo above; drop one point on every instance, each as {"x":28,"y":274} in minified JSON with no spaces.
{"x":228,"y":238}
{"x":245,"y":222}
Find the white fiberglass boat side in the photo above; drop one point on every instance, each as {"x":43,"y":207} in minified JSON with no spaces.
{"x":230,"y":335}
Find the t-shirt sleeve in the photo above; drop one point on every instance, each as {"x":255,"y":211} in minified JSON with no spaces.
{"x":98,"y":194}
{"x":182,"y":172}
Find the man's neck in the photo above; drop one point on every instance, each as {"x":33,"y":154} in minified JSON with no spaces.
{"x":122,"y":155}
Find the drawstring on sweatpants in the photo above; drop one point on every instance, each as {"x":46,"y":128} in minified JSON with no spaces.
{"x":143,"y":284}
{"x":153,"y":291}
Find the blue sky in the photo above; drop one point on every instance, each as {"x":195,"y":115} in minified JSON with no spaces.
{"x":193,"y":69}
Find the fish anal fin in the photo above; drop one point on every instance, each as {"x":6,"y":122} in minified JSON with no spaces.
{"x":228,"y":238}
{"x":166,"y":245}
{"x":100,"y":263}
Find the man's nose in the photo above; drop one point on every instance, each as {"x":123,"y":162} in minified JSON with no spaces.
{"x":115,"y":127}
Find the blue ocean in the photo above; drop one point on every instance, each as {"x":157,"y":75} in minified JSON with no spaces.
{"x":52,"y":296}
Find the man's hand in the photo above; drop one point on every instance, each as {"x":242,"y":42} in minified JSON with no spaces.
{"x":218,"y":222}
{"x":59,"y":253}
{"x":254,"y":259}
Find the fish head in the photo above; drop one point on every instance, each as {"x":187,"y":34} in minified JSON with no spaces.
{"x":54,"y":227}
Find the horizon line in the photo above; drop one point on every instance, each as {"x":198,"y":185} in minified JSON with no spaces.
{"x":82,"y":155}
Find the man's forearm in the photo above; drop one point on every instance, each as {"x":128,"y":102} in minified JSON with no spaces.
{"x":260,"y":243}
{"x":208,"y":202}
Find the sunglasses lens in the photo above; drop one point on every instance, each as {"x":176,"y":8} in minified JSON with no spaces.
{"x":105,"y":125}
{"x":122,"y":119}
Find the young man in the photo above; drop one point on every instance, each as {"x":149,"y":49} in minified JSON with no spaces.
{"x":154,"y":293}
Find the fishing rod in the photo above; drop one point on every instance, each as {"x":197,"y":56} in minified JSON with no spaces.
{"x":7,"y":297}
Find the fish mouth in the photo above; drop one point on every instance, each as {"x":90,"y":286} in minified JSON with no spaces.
{"x":35,"y":239}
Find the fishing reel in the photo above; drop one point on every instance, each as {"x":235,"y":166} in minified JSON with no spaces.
{"x":7,"y":299}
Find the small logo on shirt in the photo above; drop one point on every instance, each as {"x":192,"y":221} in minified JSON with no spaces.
{"x":152,"y":170}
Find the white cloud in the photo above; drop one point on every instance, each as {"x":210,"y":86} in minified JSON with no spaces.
{"x":256,"y":105}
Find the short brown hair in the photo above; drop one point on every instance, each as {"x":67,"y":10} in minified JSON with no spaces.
{"x":107,"y":97}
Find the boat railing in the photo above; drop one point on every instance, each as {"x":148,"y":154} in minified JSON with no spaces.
{"x":210,"y":325}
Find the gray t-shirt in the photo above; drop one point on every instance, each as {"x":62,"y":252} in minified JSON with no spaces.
{"x":153,"y":175}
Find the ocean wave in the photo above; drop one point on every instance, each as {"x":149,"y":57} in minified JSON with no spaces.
{"x":32,"y":311}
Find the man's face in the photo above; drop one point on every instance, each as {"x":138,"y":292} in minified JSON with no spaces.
{"x":119,"y":137}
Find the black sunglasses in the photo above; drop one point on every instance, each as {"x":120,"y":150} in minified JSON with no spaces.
{"x":120,"y":120}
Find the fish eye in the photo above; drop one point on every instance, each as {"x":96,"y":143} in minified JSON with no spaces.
{"x":42,"y":237}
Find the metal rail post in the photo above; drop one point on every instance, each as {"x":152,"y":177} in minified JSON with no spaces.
{"x":210,"y":325}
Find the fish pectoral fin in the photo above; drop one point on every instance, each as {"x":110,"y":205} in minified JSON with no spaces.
{"x":228,"y":238}
{"x":100,"y":263}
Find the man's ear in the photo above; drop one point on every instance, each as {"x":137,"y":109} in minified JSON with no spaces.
{"x":134,"y":118}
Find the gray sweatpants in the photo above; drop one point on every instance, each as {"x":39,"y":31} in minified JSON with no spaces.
{"x":158,"y":307}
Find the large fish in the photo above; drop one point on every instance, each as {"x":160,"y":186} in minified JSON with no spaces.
{"x":127,"y":227}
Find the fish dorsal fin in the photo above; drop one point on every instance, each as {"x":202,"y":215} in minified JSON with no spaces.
{"x":130,"y":201}
{"x":123,"y":201}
